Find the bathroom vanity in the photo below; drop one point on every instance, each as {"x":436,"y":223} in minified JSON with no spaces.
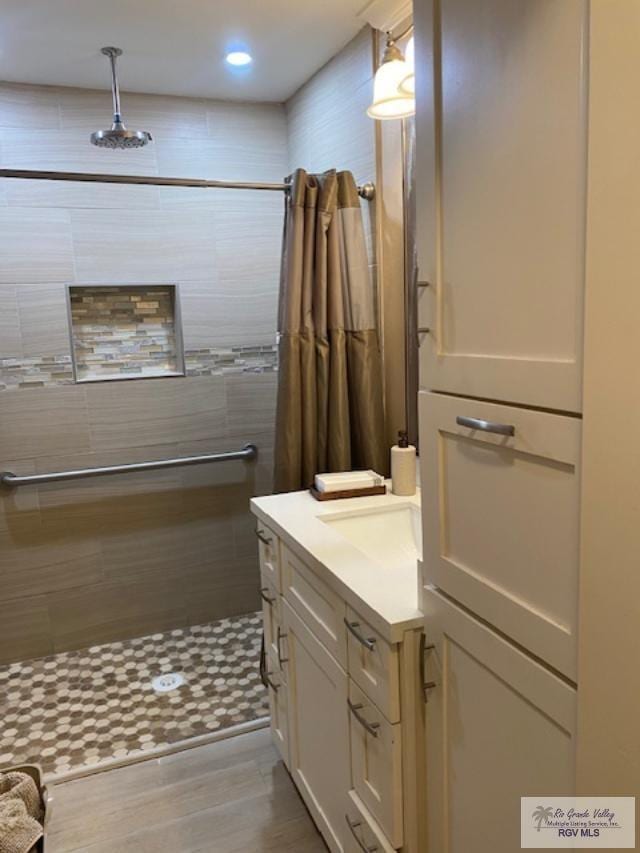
{"x":343,"y":637}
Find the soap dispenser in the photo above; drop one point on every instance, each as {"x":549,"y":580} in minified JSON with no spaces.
{"x":403,"y":466}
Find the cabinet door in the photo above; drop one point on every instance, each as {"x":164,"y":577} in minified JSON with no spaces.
{"x":318,"y":728}
{"x":501,"y":178}
{"x":499,"y":727}
{"x":501,"y":518}
{"x":376,"y":763}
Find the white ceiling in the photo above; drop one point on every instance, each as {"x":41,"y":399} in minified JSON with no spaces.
{"x":175,"y":47}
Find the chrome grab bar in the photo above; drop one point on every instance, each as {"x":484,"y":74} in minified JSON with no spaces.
{"x":486,"y":426}
{"x":372,"y":728}
{"x":356,"y":824}
{"x":249,"y":452}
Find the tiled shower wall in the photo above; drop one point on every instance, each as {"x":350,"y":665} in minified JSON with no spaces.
{"x":95,"y":560}
{"x":92,"y":561}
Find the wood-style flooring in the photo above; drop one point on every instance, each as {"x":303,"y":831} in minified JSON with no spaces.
{"x":233,"y":796}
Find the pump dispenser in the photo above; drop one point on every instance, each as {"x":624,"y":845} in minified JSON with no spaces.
{"x":403,"y":466}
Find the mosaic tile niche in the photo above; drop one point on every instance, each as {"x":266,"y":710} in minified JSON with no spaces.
{"x":124,"y":331}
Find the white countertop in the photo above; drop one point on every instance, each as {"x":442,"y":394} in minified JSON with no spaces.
{"x":385,"y":596}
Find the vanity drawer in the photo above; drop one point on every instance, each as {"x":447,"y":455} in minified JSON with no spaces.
{"x":363,"y":833}
{"x":269,"y":553}
{"x":322,"y":611}
{"x":271,"y":615}
{"x":376,"y":763}
{"x":374,"y":665}
{"x":278,"y":707}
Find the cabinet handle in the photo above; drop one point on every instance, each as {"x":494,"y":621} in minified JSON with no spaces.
{"x":369,"y":643}
{"x":372,"y":728}
{"x":268,"y":598}
{"x":281,"y":636}
{"x":274,"y":687}
{"x":423,"y":283}
{"x":486,"y":426}
{"x":426,"y":685}
{"x":353,"y":825}
{"x":266,"y":540}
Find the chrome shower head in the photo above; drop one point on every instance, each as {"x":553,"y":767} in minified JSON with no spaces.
{"x":118,"y":136}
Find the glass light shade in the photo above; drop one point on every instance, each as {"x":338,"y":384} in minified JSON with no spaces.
{"x":408,"y":85}
{"x":388,"y":101}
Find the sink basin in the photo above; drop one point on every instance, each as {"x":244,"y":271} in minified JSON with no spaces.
{"x":389,"y":535}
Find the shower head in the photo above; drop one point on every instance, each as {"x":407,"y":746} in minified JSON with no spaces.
{"x":118,"y":136}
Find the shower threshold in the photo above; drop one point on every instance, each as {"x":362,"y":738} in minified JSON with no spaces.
{"x":80,"y":712}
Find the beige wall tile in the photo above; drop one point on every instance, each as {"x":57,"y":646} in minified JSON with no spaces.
{"x":71,"y":151}
{"x":43,"y":319}
{"x":25,"y":106}
{"x":141,"y":412}
{"x":250,"y":140}
{"x":23,"y":193}
{"x":251,"y":399}
{"x":10,"y":339}
{"x":20,"y":580}
{"x":105,"y":612}
{"x":26,"y":632}
{"x":236,"y":313}
{"x":86,"y":110}
{"x":35,"y":246}
{"x":158,"y":247}
{"x":248,"y":237}
{"x":328,"y":125}
{"x":43,"y":421}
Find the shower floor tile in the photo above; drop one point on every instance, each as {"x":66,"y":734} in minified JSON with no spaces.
{"x":79,"y":709}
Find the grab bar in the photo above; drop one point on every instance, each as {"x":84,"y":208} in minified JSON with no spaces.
{"x":7,"y":478}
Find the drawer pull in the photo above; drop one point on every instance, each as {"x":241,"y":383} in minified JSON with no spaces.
{"x":486,"y":426}
{"x":281,"y":636}
{"x":266,"y":540}
{"x":356,"y":824}
{"x":426,"y":685}
{"x":372,"y":728}
{"x":369,"y":643}
{"x":269,"y":599}
{"x":272,"y":685}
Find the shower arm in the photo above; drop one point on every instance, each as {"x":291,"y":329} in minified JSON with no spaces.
{"x":113,"y":53}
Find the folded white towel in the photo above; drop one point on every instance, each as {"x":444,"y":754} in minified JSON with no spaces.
{"x":340,"y":480}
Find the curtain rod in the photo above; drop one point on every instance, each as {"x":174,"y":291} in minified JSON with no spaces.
{"x":366,"y":191}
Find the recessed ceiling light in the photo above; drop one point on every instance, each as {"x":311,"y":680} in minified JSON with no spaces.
{"x":239,"y":57}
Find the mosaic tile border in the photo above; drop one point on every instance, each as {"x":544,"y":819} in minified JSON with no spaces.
{"x":261,"y":358}
{"x":37,"y":372}
{"x":78,"y":710}
{"x":47,"y":371}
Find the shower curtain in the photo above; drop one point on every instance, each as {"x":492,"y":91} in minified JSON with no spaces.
{"x":330,"y":414}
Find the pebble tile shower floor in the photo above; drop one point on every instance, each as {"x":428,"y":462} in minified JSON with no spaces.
{"x":79,"y":709}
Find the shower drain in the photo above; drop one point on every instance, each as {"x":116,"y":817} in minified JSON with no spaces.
{"x":167,"y":682}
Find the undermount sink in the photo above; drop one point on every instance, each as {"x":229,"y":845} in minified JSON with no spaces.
{"x":390,"y":535}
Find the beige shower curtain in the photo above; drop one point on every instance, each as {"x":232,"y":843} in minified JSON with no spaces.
{"x":330,"y":414}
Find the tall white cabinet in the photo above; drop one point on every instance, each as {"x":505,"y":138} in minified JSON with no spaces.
{"x":502,"y":133}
